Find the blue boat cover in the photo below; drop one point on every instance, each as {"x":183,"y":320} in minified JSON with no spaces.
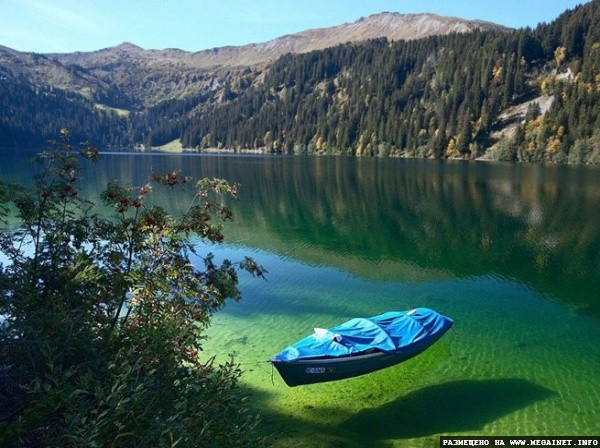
{"x":387,"y":332}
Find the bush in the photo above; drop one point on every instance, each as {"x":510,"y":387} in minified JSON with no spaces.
{"x":104,"y":317}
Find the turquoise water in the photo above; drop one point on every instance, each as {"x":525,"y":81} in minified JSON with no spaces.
{"x":516,"y":362}
{"x":510,"y":252}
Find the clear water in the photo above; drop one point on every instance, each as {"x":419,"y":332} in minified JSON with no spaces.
{"x":511,"y":253}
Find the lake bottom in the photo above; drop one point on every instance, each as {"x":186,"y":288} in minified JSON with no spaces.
{"x":515,"y":362}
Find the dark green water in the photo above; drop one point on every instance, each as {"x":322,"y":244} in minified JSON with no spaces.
{"x":510,"y":252}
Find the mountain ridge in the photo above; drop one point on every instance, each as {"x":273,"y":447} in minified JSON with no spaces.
{"x":391,"y":25}
{"x":145,"y":77}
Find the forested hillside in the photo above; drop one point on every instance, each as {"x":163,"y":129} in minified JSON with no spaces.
{"x":441,"y":96}
{"x":435,"y":97}
{"x":378,"y":98}
{"x":31,"y":115}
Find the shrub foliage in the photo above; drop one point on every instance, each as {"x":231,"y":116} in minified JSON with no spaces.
{"x":103,"y":316}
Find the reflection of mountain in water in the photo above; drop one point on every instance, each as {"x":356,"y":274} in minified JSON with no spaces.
{"x":411,"y":219}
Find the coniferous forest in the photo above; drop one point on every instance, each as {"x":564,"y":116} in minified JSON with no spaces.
{"x":443,"y":96}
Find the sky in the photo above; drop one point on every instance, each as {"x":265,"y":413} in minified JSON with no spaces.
{"x":64,"y":26}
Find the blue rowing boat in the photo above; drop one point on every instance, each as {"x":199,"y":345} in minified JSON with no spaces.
{"x":360,"y":346}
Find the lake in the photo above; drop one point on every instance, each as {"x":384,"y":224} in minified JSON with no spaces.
{"x":510,"y":252}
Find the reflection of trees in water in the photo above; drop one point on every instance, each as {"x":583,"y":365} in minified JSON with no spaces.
{"x":536,"y":224}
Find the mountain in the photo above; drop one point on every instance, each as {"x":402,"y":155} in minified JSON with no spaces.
{"x":113,"y":85}
{"x":150,"y":76}
{"x":389,"y":84}
{"x":393,"y":26}
{"x":40,"y":70}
